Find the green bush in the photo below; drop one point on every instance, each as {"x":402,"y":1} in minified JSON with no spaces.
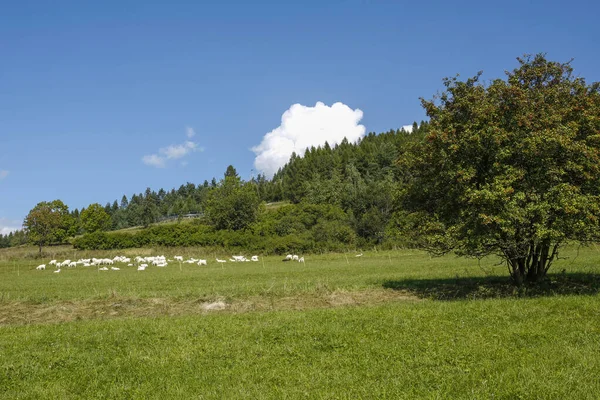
{"x":300,"y":228}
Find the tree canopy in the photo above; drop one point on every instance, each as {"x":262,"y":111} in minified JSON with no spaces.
{"x":95,"y":218}
{"x":48,"y":222}
{"x":232,"y":205}
{"x":509,"y":168}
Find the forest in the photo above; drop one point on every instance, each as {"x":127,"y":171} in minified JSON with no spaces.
{"x":357,"y":181}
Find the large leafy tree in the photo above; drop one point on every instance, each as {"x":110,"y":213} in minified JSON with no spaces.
{"x":48,"y":222}
{"x":511,"y":167}
{"x":233,"y":204}
{"x":95,"y":218}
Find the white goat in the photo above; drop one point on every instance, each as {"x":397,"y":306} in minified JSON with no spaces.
{"x":41,"y":267}
{"x":202,"y":262}
{"x":254,"y":258}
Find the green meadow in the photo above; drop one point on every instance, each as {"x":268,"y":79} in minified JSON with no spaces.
{"x":392,"y":324}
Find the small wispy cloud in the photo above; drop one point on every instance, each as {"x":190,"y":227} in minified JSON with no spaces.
{"x":172,"y":152}
{"x":175,"y":152}
{"x":189,"y":131}
{"x":3,"y":173}
{"x":154,"y":160}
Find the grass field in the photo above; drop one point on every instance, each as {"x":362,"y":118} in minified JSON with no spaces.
{"x":386,"y":325}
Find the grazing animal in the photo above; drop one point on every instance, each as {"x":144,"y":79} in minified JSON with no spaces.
{"x":221,"y":261}
{"x":41,"y":267}
{"x":295,"y":257}
{"x":52,"y":262}
{"x":254,"y":258}
{"x":288,"y":257}
{"x":72,"y":264}
{"x":202,"y":262}
{"x":115,"y":268}
{"x":301,"y":259}
{"x":359,"y":255}
{"x":57,"y":271}
{"x":178,"y":258}
{"x":142,"y":267}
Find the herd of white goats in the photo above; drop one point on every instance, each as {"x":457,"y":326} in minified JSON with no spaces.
{"x":143,"y":262}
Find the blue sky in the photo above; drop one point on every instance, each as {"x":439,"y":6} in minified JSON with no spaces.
{"x":87,"y":89}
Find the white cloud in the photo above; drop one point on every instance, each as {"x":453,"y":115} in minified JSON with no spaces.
{"x":7,"y":226}
{"x":189,"y":131}
{"x":408,"y":128}
{"x":154,"y":161}
{"x":3,"y":173}
{"x":302,"y":127}
{"x":175,"y":152}
{"x":172,"y":152}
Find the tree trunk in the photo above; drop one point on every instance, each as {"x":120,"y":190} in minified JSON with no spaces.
{"x":517,"y":270}
{"x":540,"y":262}
{"x":533,"y":267}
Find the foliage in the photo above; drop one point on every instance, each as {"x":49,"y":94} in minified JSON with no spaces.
{"x":293,"y":228}
{"x":48,"y":222}
{"x":95,"y":218}
{"x":510,"y":168}
{"x":232,"y":205}
{"x":13,"y":239}
{"x":360,"y":178}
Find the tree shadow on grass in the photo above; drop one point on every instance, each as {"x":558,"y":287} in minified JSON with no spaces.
{"x":497,"y":287}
